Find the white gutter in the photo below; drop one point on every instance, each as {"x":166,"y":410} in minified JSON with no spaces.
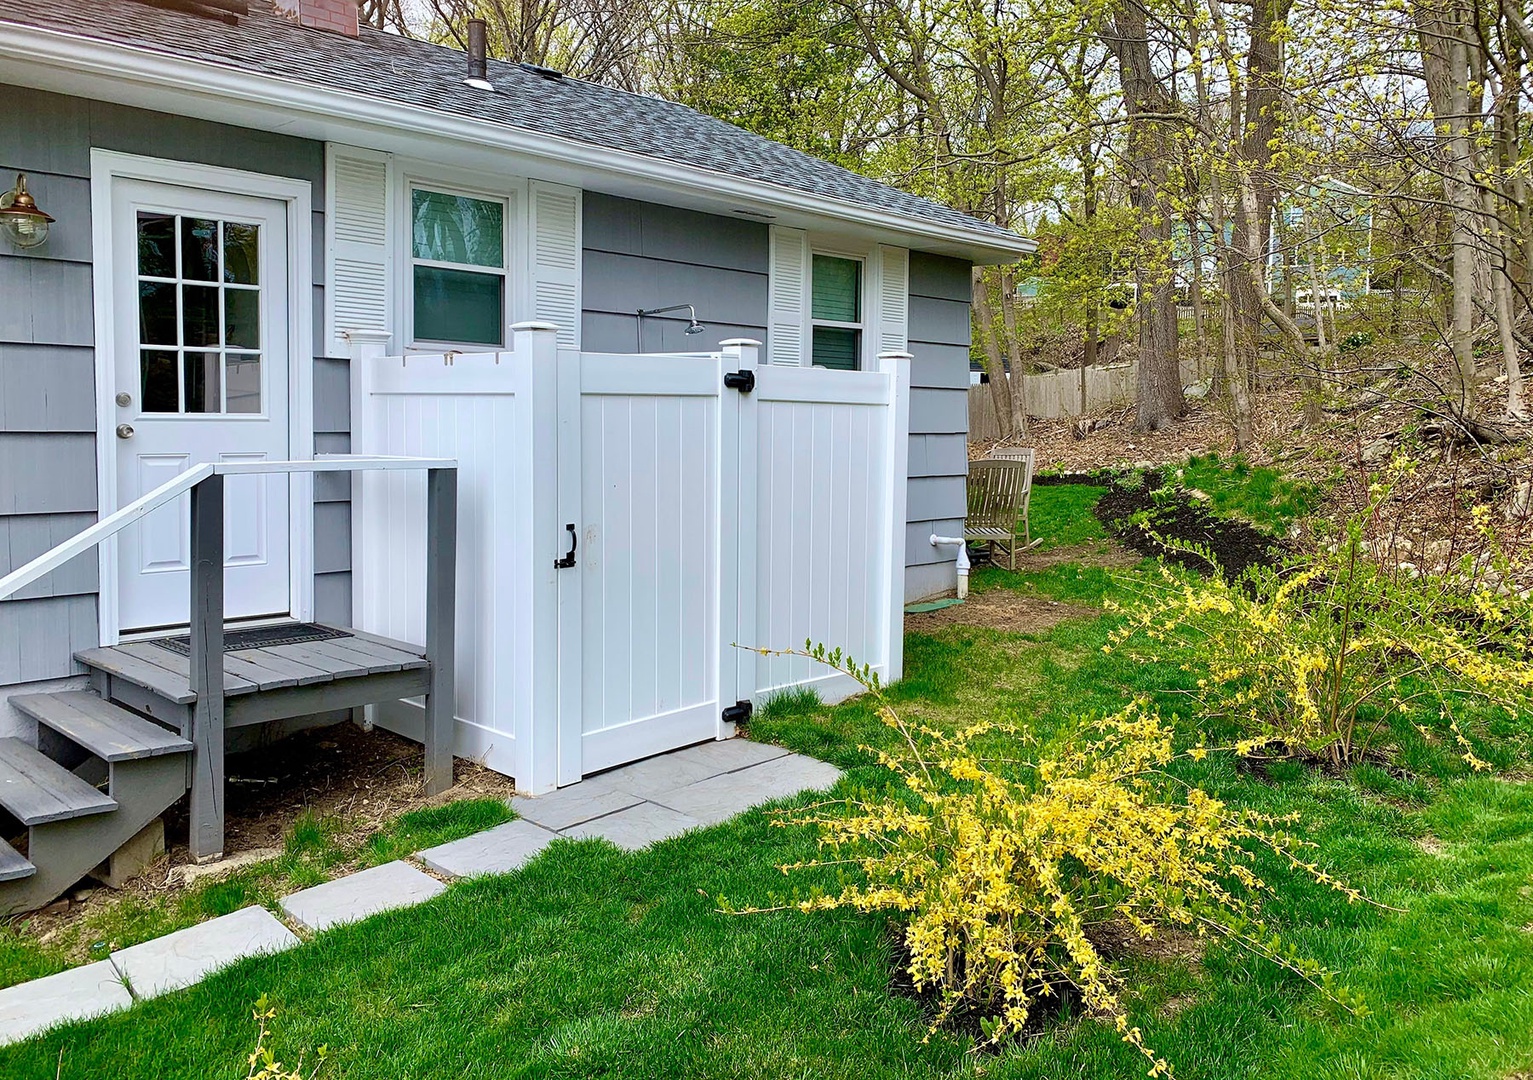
{"x":157,"y":71}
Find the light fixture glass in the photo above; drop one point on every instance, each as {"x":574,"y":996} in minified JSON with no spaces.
{"x":20,"y":217}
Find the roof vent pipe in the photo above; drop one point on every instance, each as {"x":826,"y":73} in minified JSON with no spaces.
{"x":478,"y":65}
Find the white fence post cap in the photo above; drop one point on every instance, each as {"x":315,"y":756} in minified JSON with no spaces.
{"x":534,"y":326}
{"x":740,"y":341}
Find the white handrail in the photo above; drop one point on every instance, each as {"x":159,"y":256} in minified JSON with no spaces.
{"x":82,"y":542}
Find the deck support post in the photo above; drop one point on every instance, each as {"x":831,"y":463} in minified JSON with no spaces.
{"x":441,"y":623}
{"x":206,"y":825}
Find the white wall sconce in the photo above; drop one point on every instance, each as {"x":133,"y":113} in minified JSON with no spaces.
{"x":21,"y":219}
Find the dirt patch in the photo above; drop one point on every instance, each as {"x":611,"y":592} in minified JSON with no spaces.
{"x":1001,"y":609}
{"x":1104,"y":553}
{"x":1156,"y":521}
{"x":362,"y":779}
{"x":1430,"y":844}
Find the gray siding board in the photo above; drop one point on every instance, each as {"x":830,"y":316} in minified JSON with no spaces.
{"x":25,"y":537}
{"x":46,"y":302}
{"x":940,"y":277}
{"x":332,"y":598}
{"x":47,"y":388}
{"x":622,"y":284}
{"x":918,"y":534}
{"x":938,"y":455}
{"x":931,"y":498}
{"x":939,"y":412}
{"x":38,"y":638}
{"x":939,"y":367}
{"x":332,"y":395}
{"x":611,"y":333}
{"x":332,"y":537}
{"x":630,"y":227}
{"x":47,"y":472}
{"x":46,"y":132}
{"x":181,"y":138}
{"x":943,"y":322}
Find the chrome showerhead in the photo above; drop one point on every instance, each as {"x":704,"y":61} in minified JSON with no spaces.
{"x":695,"y":328}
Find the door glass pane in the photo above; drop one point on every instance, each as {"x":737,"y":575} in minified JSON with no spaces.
{"x":157,"y":383}
{"x":156,"y":313}
{"x":458,"y":306}
{"x":836,"y":289}
{"x":199,"y":315}
{"x":457,"y":229}
{"x":199,"y":249}
{"x":836,"y":348}
{"x":242,"y":253}
{"x":156,"y":245}
{"x":242,"y":383}
{"x":201,"y":370}
{"x":242,"y":318}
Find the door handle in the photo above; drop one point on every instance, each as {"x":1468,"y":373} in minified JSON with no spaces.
{"x":125,"y":431}
{"x":569,"y":556}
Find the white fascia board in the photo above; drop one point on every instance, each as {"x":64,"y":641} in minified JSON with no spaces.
{"x":69,"y":64}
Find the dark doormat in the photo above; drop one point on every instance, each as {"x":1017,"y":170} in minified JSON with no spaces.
{"x":258,"y":637}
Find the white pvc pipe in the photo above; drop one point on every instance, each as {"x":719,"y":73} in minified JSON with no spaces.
{"x":963,"y":560}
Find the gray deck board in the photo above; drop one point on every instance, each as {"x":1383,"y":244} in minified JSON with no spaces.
{"x":363,"y":635}
{"x":14,"y":866}
{"x":125,"y":666}
{"x":309,"y":652}
{"x":108,"y":731}
{"x":381,"y":657}
{"x":181,"y":666}
{"x":37,"y":790}
{"x":277,"y":671}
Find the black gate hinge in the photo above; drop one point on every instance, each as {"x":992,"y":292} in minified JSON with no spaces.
{"x":743,"y":380}
{"x":738,"y":713}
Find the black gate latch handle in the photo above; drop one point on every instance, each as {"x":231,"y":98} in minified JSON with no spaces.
{"x":743,"y":380}
{"x":569,"y":559}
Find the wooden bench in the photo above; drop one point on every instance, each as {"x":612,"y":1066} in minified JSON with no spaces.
{"x":999,"y":489}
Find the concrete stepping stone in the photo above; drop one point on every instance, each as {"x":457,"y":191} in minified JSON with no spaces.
{"x":559,"y":810}
{"x":731,"y":754}
{"x":719,"y":798}
{"x":637,"y":827}
{"x":663,"y":773}
{"x":76,"y":994}
{"x":494,"y":851}
{"x":188,"y":956}
{"x":349,"y":899}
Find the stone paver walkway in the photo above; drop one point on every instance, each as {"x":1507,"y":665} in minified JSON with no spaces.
{"x":632,"y":807}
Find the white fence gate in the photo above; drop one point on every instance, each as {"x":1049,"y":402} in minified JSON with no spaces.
{"x":630,"y":529}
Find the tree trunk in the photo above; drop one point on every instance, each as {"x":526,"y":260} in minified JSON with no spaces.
{"x":990,"y":344}
{"x":1013,"y":351}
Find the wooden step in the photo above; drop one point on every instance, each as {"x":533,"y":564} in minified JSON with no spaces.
{"x":109,"y":731}
{"x":37,"y":790}
{"x":13,"y":865}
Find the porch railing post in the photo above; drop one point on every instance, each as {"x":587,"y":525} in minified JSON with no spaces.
{"x":206,"y":831}
{"x":441,"y":623}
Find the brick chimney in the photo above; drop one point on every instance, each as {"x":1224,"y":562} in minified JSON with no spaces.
{"x":337,"y":16}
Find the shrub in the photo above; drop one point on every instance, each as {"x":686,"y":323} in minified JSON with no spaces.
{"x":1323,"y":652}
{"x":1006,"y":882}
{"x":263,"y":1063}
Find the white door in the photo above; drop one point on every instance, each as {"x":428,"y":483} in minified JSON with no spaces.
{"x":638,"y":477}
{"x":200,"y":342}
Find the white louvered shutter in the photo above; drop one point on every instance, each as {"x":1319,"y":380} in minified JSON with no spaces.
{"x":356,"y":233}
{"x":893,"y":299}
{"x":788,"y":290}
{"x":555,"y":213}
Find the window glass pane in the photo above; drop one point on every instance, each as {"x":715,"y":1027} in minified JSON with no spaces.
{"x":157,"y":383}
{"x":242,"y":383}
{"x":242,"y":318}
{"x":242,"y":253}
{"x":199,"y":315}
{"x":836,"y":289}
{"x":201,"y":370}
{"x":156,"y":245}
{"x":199,"y":249}
{"x":156,"y":313}
{"x":457,"y":229}
{"x":836,"y":348}
{"x":458,"y":306}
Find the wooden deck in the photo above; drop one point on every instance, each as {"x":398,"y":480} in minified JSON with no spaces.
{"x":269,"y":682}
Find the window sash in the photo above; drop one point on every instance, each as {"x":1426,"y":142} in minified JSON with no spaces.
{"x":841,"y":348}
{"x":447,"y":270}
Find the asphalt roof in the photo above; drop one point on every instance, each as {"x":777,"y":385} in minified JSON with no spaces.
{"x":394,"y":68}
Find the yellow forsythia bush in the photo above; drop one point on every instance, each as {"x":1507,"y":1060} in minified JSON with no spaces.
{"x":1320,"y":654}
{"x":1001,"y":880}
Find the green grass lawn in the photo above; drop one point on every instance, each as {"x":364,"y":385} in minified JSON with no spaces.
{"x":591,"y":962}
{"x":1060,"y":514}
{"x":1260,"y":494}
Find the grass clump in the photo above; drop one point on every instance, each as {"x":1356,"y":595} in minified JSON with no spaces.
{"x":420,"y":829}
{"x":1258,"y":493}
{"x":1060,"y":515}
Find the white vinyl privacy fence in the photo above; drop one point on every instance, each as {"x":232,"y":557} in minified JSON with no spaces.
{"x":630,"y":529}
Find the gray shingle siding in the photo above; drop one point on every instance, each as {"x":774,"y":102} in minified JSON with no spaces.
{"x":939,"y":417}
{"x":47,"y":366}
